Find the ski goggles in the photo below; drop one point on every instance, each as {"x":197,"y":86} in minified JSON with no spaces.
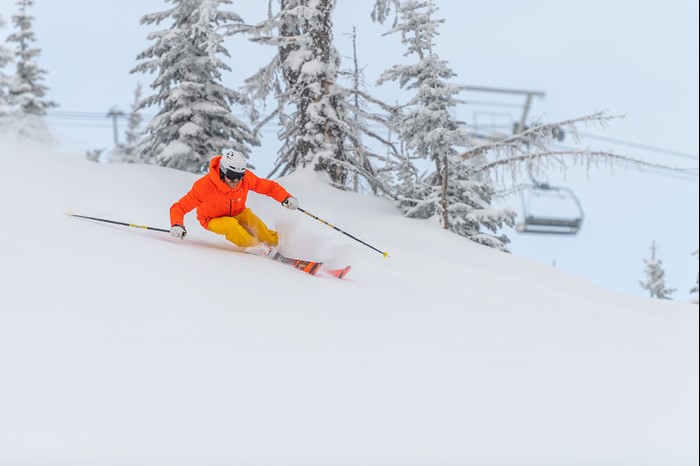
{"x":232,"y":175}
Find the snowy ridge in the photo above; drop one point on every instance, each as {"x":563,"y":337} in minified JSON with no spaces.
{"x":125,"y":346}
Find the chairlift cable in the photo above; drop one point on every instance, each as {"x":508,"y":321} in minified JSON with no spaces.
{"x":642,"y":146}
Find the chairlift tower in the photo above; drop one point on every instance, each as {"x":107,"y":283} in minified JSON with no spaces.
{"x":526,"y":106}
{"x":520,"y":125}
{"x":115,"y":113}
{"x":537,"y":218}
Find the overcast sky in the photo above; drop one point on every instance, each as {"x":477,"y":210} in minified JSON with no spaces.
{"x":638,"y":59}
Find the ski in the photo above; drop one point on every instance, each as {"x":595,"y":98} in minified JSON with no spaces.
{"x":338,"y":273}
{"x":309,"y":267}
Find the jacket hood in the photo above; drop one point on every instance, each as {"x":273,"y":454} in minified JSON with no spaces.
{"x":214,"y":165}
{"x":214,"y":175}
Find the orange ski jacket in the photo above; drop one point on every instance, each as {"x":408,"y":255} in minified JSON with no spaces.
{"x":213,"y":198}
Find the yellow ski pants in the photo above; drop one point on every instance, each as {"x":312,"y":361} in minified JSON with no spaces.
{"x":245,"y":229}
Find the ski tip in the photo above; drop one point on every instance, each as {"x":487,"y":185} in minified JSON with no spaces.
{"x":339,"y":273}
{"x":385,"y":254}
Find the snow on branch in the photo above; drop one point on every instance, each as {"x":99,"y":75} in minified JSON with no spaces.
{"x":528,"y":152}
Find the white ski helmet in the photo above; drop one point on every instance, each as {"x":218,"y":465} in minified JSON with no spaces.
{"x":232,"y":164}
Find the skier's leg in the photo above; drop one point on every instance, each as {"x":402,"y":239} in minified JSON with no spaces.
{"x":257,"y":227}
{"x":233,"y":231}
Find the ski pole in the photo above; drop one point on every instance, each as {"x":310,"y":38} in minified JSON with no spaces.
{"x":118,"y":223}
{"x":385,"y":254}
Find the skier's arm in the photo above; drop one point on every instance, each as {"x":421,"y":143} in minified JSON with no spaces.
{"x":268,"y":188}
{"x":188,"y":202}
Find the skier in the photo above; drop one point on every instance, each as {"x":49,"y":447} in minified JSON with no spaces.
{"x":220,"y":197}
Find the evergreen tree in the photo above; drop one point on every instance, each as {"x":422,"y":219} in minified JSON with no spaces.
{"x":655,"y":281}
{"x":451,"y":192}
{"x":6,"y":57}
{"x":302,"y":76}
{"x":526,"y":153}
{"x":382,"y":8}
{"x":194,"y":119}
{"x":323,"y":122}
{"x":26,"y":90}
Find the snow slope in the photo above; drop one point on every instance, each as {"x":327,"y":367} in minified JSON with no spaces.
{"x":122,"y":346}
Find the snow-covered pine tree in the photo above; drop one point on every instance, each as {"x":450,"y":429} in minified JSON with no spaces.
{"x":527,"y":153}
{"x":406,"y":174}
{"x":655,"y":281}
{"x":26,"y":90}
{"x":323,"y":122}
{"x":381,"y":9}
{"x":6,"y":57}
{"x":134,"y":133}
{"x":194,"y":120}
{"x":451,"y":191}
{"x":302,"y":76}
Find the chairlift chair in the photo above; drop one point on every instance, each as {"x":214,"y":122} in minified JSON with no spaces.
{"x":536,"y":222}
